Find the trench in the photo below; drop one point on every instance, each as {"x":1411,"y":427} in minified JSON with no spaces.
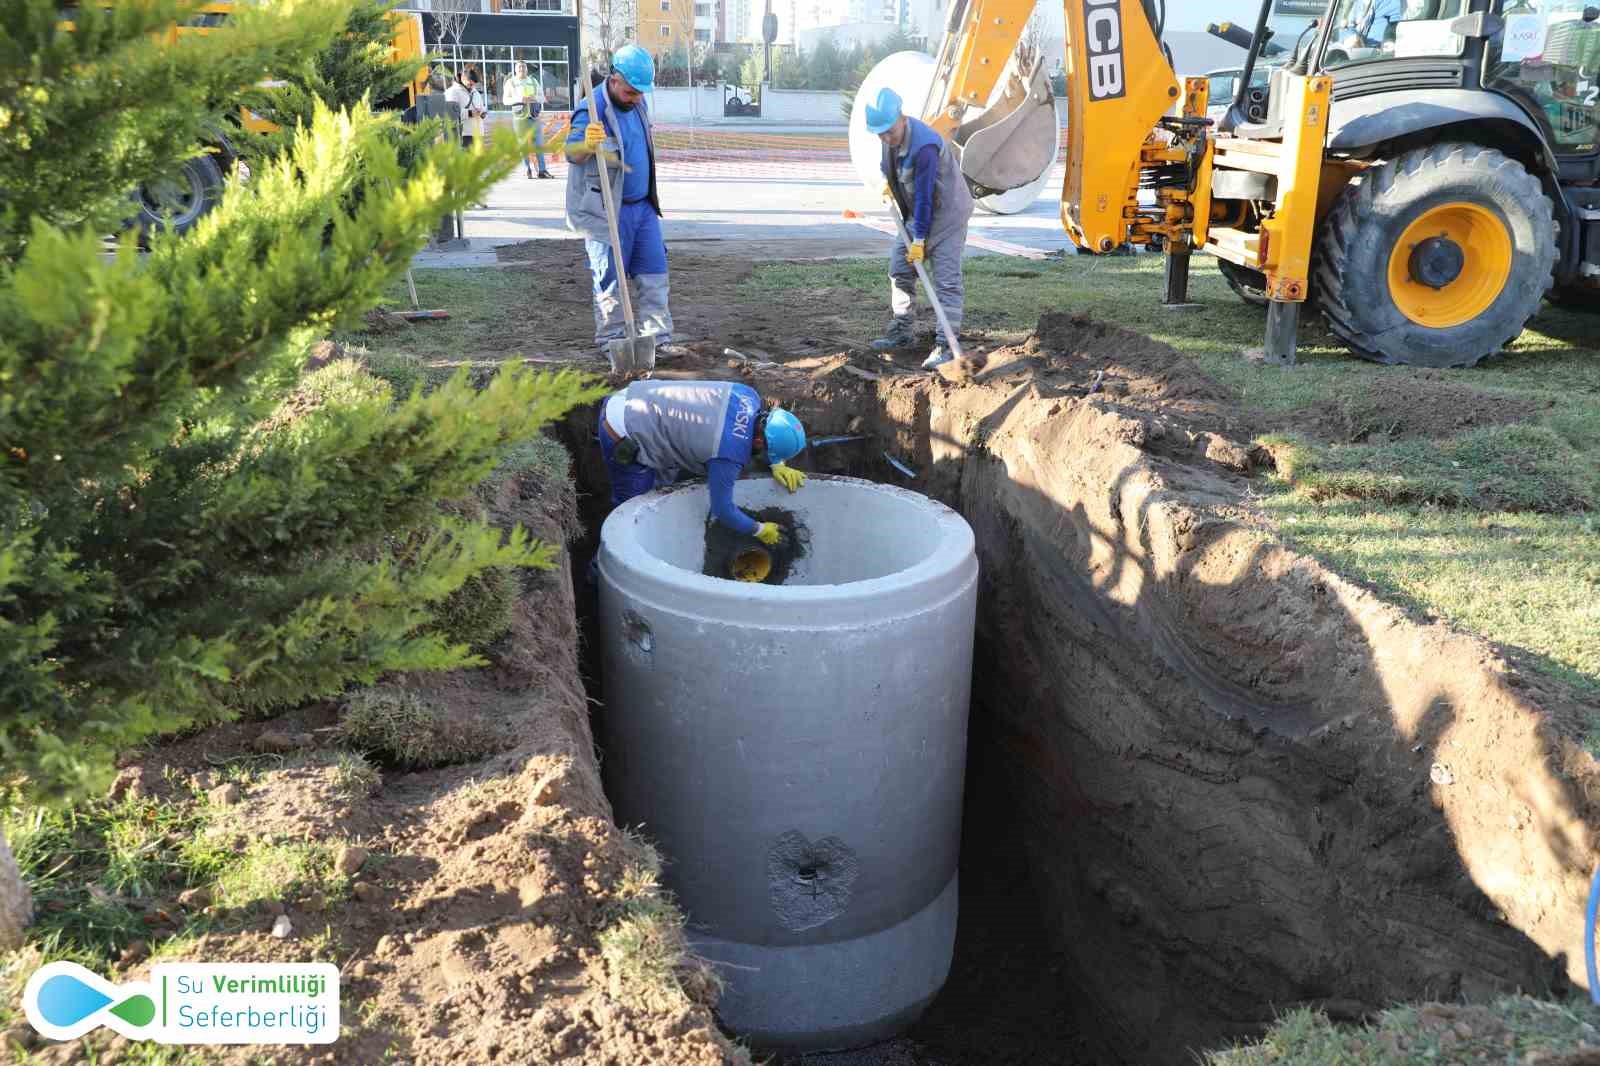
{"x":1196,"y":786}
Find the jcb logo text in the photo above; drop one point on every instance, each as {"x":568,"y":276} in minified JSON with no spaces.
{"x":1103,"y":28}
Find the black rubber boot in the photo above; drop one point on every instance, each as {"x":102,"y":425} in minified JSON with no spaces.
{"x":900,"y":335}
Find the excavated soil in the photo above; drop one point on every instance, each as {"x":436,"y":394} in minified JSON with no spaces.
{"x":471,"y":934}
{"x":1238,"y":782}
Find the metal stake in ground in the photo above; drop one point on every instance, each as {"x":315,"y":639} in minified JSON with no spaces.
{"x":927,"y":285}
{"x":635,"y":353}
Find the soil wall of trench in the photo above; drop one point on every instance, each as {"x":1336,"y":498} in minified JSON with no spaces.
{"x":1243,"y":783}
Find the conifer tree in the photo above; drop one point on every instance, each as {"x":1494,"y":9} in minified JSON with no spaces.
{"x":177,"y":543}
{"x":357,"y":69}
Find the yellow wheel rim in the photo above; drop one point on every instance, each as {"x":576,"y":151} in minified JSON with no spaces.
{"x":1450,"y":265}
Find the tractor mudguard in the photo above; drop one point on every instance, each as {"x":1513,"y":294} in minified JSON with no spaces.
{"x":1363,"y":121}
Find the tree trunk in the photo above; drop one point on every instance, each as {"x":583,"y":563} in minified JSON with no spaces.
{"x":16,"y":905}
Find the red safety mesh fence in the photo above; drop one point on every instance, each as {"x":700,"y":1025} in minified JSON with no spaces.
{"x":709,"y":150}
{"x":793,"y":152}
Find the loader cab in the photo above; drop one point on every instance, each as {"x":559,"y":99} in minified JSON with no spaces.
{"x":1540,"y":56}
{"x":1223,"y":86}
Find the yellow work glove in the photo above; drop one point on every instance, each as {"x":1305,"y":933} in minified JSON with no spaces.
{"x":788,"y":477}
{"x":768,"y":533}
{"x":886,"y":192}
{"x":915,"y":253}
{"x":593,"y":134}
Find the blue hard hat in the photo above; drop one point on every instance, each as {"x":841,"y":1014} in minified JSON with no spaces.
{"x":635,"y":66}
{"x":884,"y":111}
{"x":785,"y":436}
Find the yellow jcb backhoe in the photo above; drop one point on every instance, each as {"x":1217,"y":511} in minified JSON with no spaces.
{"x":1423,"y":171}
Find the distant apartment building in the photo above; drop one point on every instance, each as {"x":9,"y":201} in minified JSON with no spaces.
{"x":884,"y":11}
{"x":667,"y":26}
{"x":742,"y":20}
{"x":490,"y":35}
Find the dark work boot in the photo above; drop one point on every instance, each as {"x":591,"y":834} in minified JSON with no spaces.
{"x":901,"y":335}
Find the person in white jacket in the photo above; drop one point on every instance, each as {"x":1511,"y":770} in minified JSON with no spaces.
{"x":524,"y":95}
{"x":460,"y":97}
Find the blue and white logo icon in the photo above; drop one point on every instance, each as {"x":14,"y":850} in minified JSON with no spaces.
{"x":190,"y":1003}
{"x":63,"y":1000}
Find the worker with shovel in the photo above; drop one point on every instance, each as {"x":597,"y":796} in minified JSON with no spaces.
{"x":654,"y":432}
{"x":923,"y":182}
{"x":619,"y":126}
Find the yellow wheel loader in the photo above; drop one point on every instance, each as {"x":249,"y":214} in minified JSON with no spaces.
{"x":178,"y":200}
{"x":1424,"y":171}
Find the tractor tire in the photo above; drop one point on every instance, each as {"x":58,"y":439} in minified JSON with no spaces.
{"x":1249,"y":285}
{"x":177,"y":202}
{"x":1437,"y":257}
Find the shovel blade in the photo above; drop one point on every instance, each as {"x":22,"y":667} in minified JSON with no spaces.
{"x":632,"y":354}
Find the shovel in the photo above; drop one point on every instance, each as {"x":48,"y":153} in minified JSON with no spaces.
{"x":635,"y":352}
{"x":417,"y":314}
{"x":927,"y":285}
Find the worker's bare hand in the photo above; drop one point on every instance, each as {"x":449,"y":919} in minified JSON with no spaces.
{"x":768,"y":533}
{"x":788,"y":477}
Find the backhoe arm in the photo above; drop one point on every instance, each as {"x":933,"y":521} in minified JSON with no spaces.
{"x":1006,"y":139}
{"x":1119,"y":84}
{"x":983,"y":34}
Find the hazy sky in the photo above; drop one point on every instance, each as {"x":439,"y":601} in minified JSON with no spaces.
{"x":1192,"y":15}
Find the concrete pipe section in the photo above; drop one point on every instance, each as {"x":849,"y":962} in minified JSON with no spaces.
{"x":796,"y":751}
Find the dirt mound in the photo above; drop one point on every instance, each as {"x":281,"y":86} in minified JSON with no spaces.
{"x":1134,"y":366}
{"x":1405,"y":404}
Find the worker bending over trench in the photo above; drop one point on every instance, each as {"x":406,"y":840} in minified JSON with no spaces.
{"x":654,"y":432}
{"x":922,"y":177}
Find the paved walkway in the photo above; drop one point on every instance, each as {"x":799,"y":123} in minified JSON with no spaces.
{"x":799,"y":213}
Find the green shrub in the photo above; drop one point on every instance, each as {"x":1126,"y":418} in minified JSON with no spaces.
{"x":401,"y":370}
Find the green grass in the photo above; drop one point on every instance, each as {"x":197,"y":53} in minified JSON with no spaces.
{"x":275,"y":871}
{"x":104,"y":873}
{"x":1508,"y":1031}
{"x":486,"y":308}
{"x":643,"y":943}
{"x":400,"y":728}
{"x":543,"y":457}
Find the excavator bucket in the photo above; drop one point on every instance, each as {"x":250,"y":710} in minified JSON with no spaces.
{"x":1014,"y":140}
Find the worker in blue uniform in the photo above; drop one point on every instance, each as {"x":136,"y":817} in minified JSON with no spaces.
{"x":654,"y":432}
{"x":923,"y":177}
{"x":622,"y":131}
{"x":1372,"y":23}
